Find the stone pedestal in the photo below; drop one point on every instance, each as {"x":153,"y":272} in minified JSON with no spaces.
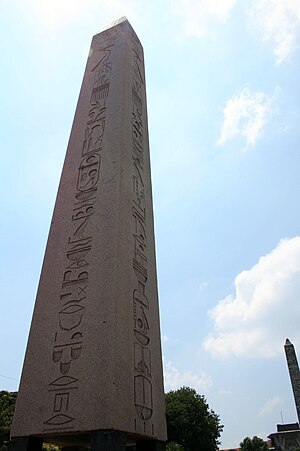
{"x":26,"y":444}
{"x":108,"y":441}
{"x":93,"y":359}
{"x":150,"y":445}
{"x":73,"y":448}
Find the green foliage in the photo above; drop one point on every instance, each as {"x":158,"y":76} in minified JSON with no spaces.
{"x":254,"y":444}
{"x":7,"y":407}
{"x":172,"y":446}
{"x":49,"y":447}
{"x":190,"y":422}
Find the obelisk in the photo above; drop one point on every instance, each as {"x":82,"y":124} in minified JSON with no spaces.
{"x":92,"y":373}
{"x":294,"y":373}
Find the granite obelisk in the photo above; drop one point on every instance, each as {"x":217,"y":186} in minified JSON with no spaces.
{"x":92,"y":373}
{"x":294,"y":373}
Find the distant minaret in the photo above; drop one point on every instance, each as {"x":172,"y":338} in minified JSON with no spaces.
{"x":294,"y":373}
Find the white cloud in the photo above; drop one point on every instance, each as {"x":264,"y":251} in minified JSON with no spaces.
{"x":175,"y":378}
{"x":197,"y":15}
{"x":245,"y":114}
{"x":279,"y":23}
{"x":265,"y":309}
{"x":269,"y":406}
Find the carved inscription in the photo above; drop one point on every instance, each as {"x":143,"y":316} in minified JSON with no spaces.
{"x":143,"y":397}
{"x":68,"y":339}
{"x":294,"y":373}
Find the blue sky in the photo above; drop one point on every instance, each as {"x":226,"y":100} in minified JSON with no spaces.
{"x":224,"y":109}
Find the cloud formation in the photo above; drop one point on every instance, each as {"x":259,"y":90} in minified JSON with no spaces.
{"x":270,"y":405}
{"x":264,"y":310}
{"x":245,"y":114}
{"x":278,"y":22}
{"x":198,"y":15}
{"x":175,"y":378}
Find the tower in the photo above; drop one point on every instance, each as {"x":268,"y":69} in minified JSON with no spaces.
{"x":92,"y":374}
{"x":294,"y":373}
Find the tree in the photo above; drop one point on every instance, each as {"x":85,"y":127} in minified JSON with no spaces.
{"x":7,"y":407}
{"x":254,"y":444}
{"x":172,"y":446}
{"x":50,"y":447}
{"x":190,"y":422}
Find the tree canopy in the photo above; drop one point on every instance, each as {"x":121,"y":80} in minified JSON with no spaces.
{"x":254,"y":444}
{"x":173,"y":446}
{"x":7,"y":407}
{"x":190,"y":421}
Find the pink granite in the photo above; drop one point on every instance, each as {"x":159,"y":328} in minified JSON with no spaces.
{"x":93,"y":358}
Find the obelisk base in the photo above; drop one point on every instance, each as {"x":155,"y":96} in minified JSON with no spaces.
{"x":116,"y":441}
{"x":26,"y":444}
{"x":108,"y":441}
{"x":102,"y":440}
{"x":150,"y":445}
{"x":73,"y":448}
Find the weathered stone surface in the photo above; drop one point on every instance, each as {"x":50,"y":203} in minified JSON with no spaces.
{"x":294,"y":373}
{"x":93,"y":360}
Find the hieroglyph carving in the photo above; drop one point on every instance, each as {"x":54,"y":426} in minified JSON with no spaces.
{"x":69,"y":337}
{"x":143,"y":397}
